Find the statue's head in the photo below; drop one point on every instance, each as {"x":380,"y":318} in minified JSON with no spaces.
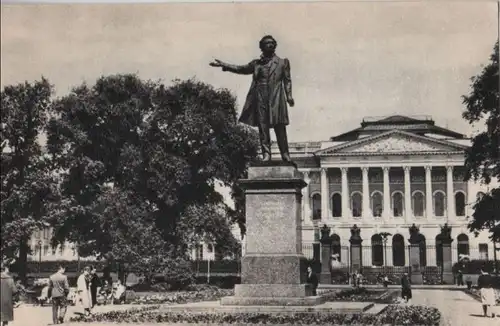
{"x":268,"y":44}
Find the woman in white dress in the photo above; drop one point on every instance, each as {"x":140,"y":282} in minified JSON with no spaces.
{"x":83,"y":296}
{"x":488,"y":297}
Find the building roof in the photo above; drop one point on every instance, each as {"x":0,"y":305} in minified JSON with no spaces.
{"x":420,"y":125}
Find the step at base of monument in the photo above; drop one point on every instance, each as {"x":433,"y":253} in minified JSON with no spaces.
{"x":217,"y":307}
{"x":272,"y":301}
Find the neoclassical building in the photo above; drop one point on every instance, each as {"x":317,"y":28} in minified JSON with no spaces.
{"x":384,"y":176}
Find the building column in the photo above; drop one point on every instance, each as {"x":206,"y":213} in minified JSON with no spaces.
{"x":428,"y":192}
{"x":306,"y":209}
{"x":407,"y":182}
{"x":387,"y":194}
{"x":471,"y":200}
{"x":450,"y":197}
{"x":366,"y":193}
{"x":324,"y":194}
{"x":346,"y":213}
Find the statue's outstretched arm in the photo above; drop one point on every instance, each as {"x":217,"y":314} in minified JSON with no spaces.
{"x":237,"y":69}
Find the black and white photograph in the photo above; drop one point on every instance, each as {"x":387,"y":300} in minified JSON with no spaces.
{"x":251,"y":162}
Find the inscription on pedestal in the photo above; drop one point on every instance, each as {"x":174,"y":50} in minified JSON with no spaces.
{"x":268,"y":216}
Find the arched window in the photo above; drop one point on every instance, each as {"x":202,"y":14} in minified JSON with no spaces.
{"x":398,"y":250}
{"x":462,"y":245}
{"x":418,"y":203}
{"x":336,"y":248}
{"x":439,"y":251}
{"x":356,"y":204}
{"x":377,"y":250}
{"x":423,"y":251}
{"x":460,"y":203}
{"x":336,"y":205}
{"x":483,"y":251}
{"x":439,"y":203}
{"x":397,"y":204}
{"x":377,"y":203}
{"x":316,"y":206}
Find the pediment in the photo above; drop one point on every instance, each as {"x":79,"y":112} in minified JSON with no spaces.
{"x":393,"y":142}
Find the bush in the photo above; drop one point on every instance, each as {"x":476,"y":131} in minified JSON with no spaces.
{"x":363,"y":295}
{"x":474,"y":266}
{"x":393,"y":315}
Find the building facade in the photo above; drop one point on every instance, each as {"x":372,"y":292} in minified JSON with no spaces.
{"x":385,"y":176}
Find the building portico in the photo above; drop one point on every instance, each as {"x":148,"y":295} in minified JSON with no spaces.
{"x":385,"y":176}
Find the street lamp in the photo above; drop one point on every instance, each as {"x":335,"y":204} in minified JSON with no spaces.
{"x":39,"y":256}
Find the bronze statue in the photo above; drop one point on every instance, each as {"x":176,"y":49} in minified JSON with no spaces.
{"x":266,"y":103}
{"x":445,"y":232}
{"x":355,"y":231}
{"x":325,"y":232}
{"x":414,"y":234}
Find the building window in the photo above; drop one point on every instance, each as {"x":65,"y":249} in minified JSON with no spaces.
{"x":439,"y":251}
{"x":377,"y":204}
{"x":316,"y":206}
{"x":398,"y":250}
{"x":46,"y":234}
{"x":356,"y":204}
{"x":479,"y":195}
{"x":418,"y":202}
{"x":439,"y":203}
{"x":336,"y":205}
{"x":462,"y":245}
{"x":199,"y":252}
{"x":483,"y":251}
{"x":397,"y":204}
{"x":336,"y":247}
{"x":210,"y":248}
{"x":460,"y":203}
{"x":45,"y":250}
{"x":423,"y":251}
{"x":377,"y":250}
{"x":316,"y":251}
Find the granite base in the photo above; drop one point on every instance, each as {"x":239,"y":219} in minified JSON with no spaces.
{"x":327,"y":307}
{"x":272,"y":301}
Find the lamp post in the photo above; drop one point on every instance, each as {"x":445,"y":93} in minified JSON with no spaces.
{"x":39,"y":255}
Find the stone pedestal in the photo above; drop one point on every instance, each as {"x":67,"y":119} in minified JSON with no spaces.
{"x":416,"y":272}
{"x":356,"y":258}
{"x":273,"y":270}
{"x":447,"y":264}
{"x":326,"y":252}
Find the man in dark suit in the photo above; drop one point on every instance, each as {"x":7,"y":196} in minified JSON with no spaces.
{"x":266,"y":103}
{"x":312,"y":279}
{"x":59,"y":290}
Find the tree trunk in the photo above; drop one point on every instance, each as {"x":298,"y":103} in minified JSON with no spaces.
{"x":22,"y":261}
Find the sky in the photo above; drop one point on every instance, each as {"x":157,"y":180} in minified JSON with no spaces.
{"x":348,"y":59}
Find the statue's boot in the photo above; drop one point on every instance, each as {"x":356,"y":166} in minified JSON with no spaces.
{"x":282,"y":140}
{"x":265,"y":143}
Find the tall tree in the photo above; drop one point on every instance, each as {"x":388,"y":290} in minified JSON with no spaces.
{"x":164,"y":146}
{"x":482,"y":160}
{"x":28,"y":184}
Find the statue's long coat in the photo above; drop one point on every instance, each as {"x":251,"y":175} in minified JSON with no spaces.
{"x":280,"y":88}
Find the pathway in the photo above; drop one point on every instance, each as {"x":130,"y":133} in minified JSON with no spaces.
{"x":457,"y":308}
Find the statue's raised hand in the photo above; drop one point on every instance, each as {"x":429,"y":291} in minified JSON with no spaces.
{"x":217,"y":63}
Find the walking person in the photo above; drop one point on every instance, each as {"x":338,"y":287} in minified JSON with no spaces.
{"x":312,"y":279}
{"x":406,"y":288}
{"x":95,"y":282}
{"x":84,"y":299}
{"x":484,"y":283}
{"x":58,"y":291}
{"x":8,"y":290}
